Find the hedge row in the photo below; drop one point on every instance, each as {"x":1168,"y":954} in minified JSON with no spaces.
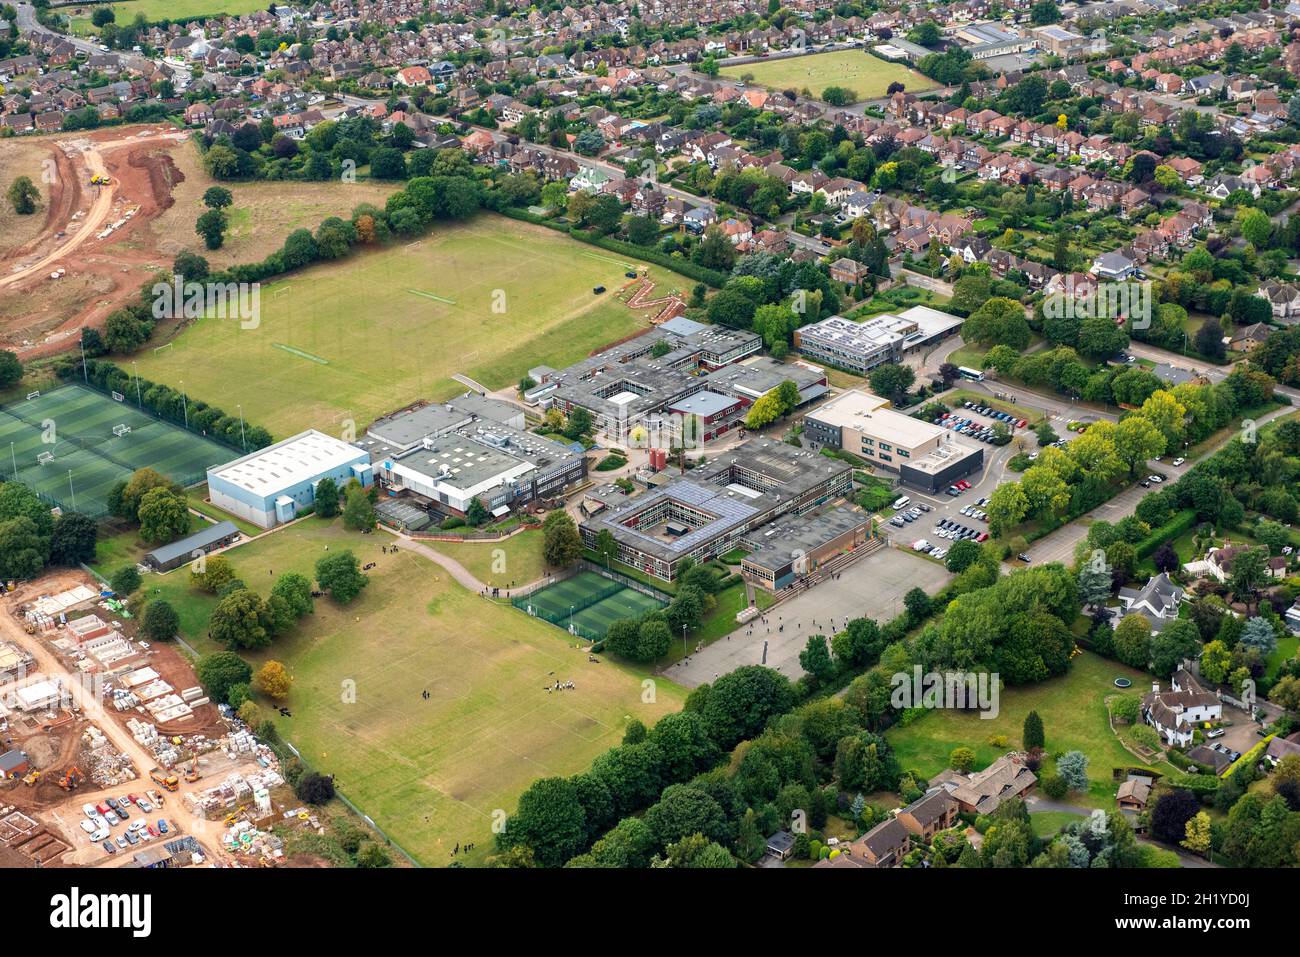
{"x":1166,"y":532}
{"x":710,"y":277}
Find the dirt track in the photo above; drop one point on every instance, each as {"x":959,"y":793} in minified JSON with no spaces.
{"x":36,"y":315}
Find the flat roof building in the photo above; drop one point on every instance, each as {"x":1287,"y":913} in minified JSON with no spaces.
{"x":445,"y":470}
{"x":269,"y":486}
{"x":794,"y":547}
{"x":628,"y":384}
{"x":716,"y":505}
{"x":861,"y":346}
{"x":921,"y":453}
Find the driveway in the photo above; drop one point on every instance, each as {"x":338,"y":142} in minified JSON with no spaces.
{"x":872,"y":587}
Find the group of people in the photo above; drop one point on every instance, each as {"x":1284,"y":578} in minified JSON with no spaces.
{"x":456,"y":850}
{"x":560,"y":686}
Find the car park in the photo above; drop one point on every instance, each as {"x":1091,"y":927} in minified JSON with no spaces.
{"x":145,"y":806}
{"x":897,"y":522}
{"x":89,"y":826}
{"x":121,"y":842}
{"x":137,"y":825}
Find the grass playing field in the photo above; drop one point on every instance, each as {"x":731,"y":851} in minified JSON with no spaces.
{"x":179,"y":11}
{"x":587,"y":602}
{"x":76,"y":425}
{"x":856,"y":70}
{"x":490,"y":298}
{"x":517,"y":559}
{"x":431,"y":773}
{"x":1073,"y":709}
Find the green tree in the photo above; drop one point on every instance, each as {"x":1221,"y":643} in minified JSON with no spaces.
{"x":561,"y":544}
{"x":220,"y":672}
{"x":327,"y":498}
{"x":1031,"y":733}
{"x":159,"y":621}
{"x":24,"y":196}
{"x":125,"y":580}
{"x":240,"y":620}
{"x":358,"y":510}
{"x":339,"y":573}
{"x":212,"y":226}
{"x":164,"y":516}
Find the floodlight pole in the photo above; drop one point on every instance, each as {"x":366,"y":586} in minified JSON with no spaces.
{"x":136,"y":371}
{"x":72,"y":490}
{"x":242,"y":444}
{"x":84,"y":374}
{"x":185,"y":404}
{"x":13,"y":458}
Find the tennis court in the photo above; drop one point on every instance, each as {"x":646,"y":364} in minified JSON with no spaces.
{"x":72,"y":444}
{"x":587,"y":601}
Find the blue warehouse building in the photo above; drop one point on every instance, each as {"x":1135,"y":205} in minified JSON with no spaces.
{"x":270,"y":486}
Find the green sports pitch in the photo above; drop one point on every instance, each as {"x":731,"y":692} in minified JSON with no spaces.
{"x":587,"y":604}
{"x":356,"y":338}
{"x":72,"y":444}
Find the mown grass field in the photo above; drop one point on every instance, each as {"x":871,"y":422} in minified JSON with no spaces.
{"x":179,"y":11}
{"x":490,"y":298}
{"x":1073,"y":709}
{"x":867,"y":76}
{"x":517,"y":559}
{"x":431,"y":773}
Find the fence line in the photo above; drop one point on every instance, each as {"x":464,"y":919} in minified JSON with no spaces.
{"x":628,"y":580}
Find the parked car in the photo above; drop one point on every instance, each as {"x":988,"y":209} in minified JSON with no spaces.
{"x":132,"y":838}
{"x":110,"y":847}
{"x":1179,"y":461}
{"x":162,"y":826}
{"x":1215,"y":733}
{"x":121,"y":842}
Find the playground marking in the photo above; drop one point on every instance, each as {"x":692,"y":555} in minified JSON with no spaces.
{"x":616,"y":262}
{"x":300,"y":354}
{"x":429,"y":295}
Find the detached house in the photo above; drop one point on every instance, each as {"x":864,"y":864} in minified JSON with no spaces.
{"x":1175,"y":713}
{"x":1156,"y":601}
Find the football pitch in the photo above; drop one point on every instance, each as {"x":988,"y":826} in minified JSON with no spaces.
{"x":72,"y":444}
{"x":587,"y":604}
{"x":490,"y":298}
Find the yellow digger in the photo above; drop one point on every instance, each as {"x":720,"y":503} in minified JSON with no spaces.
{"x":32,"y":778}
{"x":99,"y":179}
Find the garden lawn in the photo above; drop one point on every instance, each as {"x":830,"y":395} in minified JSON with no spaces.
{"x":1074,"y":716}
{"x":339,"y":344}
{"x":867,"y":76}
{"x":431,"y":773}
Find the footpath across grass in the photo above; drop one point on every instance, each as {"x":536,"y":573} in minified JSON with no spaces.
{"x":431,"y":772}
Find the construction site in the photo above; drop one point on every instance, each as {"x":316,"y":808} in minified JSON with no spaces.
{"x":90,"y":251}
{"x":97,"y":726}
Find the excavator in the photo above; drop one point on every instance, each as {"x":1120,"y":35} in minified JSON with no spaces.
{"x":71,"y":779}
{"x":31,"y":778}
{"x":192,"y":773}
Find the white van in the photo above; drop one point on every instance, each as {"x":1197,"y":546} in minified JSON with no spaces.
{"x":902,"y":503}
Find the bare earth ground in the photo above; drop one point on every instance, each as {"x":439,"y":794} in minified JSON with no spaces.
{"x":156,"y":190}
